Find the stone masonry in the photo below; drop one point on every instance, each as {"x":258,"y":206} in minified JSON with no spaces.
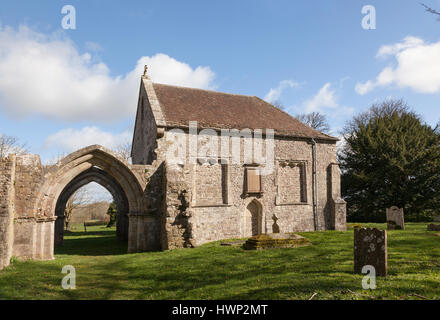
{"x":7,"y":178}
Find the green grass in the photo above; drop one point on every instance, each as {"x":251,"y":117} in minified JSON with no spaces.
{"x":105,"y":271}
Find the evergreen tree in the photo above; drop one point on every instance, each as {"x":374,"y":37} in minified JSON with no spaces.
{"x":389,"y":158}
{"x":112,"y":211}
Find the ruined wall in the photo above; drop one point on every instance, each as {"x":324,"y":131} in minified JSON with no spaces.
{"x":33,"y":234}
{"x":22,"y":233}
{"x":176,"y":229}
{"x":145,"y":227}
{"x":7,"y":178}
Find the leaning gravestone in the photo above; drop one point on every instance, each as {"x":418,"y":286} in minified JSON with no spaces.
{"x":395,"y":219}
{"x":370,"y":248}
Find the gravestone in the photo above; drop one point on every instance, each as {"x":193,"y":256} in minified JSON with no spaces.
{"x":437,"y":218}
{"x":395,"y":219}
{"x":370,"y":248}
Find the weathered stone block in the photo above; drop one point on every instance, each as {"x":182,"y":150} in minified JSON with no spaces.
{"x":395,"y":218}
{"x":370,"y":248}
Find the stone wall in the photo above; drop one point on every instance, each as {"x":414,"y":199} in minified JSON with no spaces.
{"x":176,"y":228}
{"x":22,"y":232}
{"x":216,"y":200}
{"x":33,"y":233}
{"x":145,"y":227}
{"x":7,"y":178}
{"x":145,"y":134}
{"x":29,"y":177}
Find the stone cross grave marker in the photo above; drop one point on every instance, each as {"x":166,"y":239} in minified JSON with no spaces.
{"x":370,"y":248}
{"x":395,"y":219}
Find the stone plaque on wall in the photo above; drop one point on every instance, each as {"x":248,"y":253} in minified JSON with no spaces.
{"x":370,"y":248}
{"x":395,"y":219}
{"x":253,"y":179}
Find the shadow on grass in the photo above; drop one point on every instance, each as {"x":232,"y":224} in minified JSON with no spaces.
{"x":89,"y":233}
{"x":94,"y":243}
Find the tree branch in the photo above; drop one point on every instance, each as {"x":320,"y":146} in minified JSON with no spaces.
{"x":430,"y":10}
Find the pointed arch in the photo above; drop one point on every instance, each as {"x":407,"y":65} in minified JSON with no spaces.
{"x":92,"y":159}
{"x":101,"y":177}
{"x":252,"y":219}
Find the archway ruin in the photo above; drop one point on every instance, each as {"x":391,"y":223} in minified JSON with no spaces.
{"x":94,"y":174}
{"x":35,"y":197}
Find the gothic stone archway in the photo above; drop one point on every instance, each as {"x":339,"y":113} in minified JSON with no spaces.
{"x":96,"y":164}
{"x":101,"y":177}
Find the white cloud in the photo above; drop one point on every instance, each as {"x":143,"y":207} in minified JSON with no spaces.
{"x":325,"y":98}
{"x":275,"y":93}
{"x":47,"y":75}
{"x":393,"y":49}
{"x":325,"y":101}
{"x":69,"y":140}
{"x":417,"y":68}
{"x":164,"y":69}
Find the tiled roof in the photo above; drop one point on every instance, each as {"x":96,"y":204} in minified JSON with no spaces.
{"x":213,"y":109}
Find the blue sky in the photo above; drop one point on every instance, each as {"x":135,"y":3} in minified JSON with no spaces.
{"x":61,"y":89}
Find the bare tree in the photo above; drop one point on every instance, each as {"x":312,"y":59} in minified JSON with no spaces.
{"x":430,"y":10}
{"x":79,"y":198}
{"x":123,"y":150}
{"x":278,"y":104}
{"x":11,"y":145}
{"x":316,"y":120}
{"x":55,"y":159}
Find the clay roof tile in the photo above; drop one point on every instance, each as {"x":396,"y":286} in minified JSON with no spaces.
{"x":213,"y":109}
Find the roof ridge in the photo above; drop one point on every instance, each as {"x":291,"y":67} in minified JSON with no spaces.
{"x":207,"y":90}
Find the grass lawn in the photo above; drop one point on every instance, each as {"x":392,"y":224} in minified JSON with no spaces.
{"x":105,"y":271}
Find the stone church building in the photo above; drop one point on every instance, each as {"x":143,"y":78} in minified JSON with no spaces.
{"x":196,"y":176}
